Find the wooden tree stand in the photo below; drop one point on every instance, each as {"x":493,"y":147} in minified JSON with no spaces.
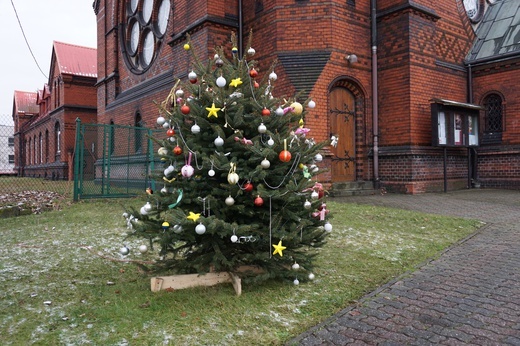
{"x":177,"y":282}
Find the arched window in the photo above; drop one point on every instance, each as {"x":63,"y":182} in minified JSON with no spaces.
{"x":46,"y":145}
{"x":40,"y":152}
{"x":57,"y":138}
{"x":493,"y":119}
{"x":35,"y":150}
{"x":29,"y":152}
{"x":138,"y":133}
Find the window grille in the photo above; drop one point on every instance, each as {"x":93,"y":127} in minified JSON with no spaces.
{"x":493,"y":118}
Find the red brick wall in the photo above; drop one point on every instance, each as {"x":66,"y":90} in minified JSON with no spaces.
{"x":421,"y":54}
{"x":499,"y":164}
{"x":421,"y":49}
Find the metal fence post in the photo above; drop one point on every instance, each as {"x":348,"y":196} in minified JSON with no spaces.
{"x":79,"y":153}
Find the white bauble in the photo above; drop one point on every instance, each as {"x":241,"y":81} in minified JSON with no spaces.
{"x":251,"y":51}
{"x":314,"y":169}
{"x":279,"y":111}
{"x":164,"y":190}
{"x":296,"y":282}
{"x":273,"y":76}
{"x":211,"y":172}
{"x":230,"y":201}
{"x":200,"y":229}
{"x":125,"y":215}
{"x":221,"y":82}
{"x":270,"y":142}
{"x":162,"y":151}
{"x":192,"y":75}
{"x":160,"y":120}
{"x":166,"y":125}
{"x":233,"y":178}
{"x":177,"y":229}
{"x":311,"y":276}
{"x":148,"y":207}
{"x":311,"y":104}
{"x":172,"y":139}
{"x":169,"y":170}
{"x":307,"y":205}
{"x":219,"y":141}
{"x":234,"y":238}
{"x":265,"y":164}
{"x":328,"y":227}
{"x":179,"y":92}
{"x":295,"y":266}
{"x":195,"y":129}
{"x":143,"y":211}
{"x":318,"y":157}
{"x":315,"y":195}
{"x":124,"y":251}
{"x":262,"y":128}
{"x":143,"y":248}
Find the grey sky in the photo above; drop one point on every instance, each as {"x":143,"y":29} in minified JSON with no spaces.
{"x":43,"y":21}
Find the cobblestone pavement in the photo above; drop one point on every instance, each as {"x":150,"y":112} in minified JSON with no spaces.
{"x":468,"y":296}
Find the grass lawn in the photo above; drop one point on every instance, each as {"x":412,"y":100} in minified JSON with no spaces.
{"x":58,"y":285}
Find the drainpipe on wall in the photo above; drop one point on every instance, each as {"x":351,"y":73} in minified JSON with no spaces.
{"x":240,"y":30}
{"x":375,"y":97}
{"x":472,"y":162}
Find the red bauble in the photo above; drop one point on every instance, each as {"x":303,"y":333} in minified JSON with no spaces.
{"x":321,"y":193}
{"x":285,"y":156}
{"x":253,"y":73}
{"x":193,"y":81}
{"x":248,"y":187}
{"x":177,"y":150}
{"x":256,"y":85}
{"x":185,"y":109}
{"x":170,"y":132}
{"x":259,"y":201}
{"x":266,"y":112}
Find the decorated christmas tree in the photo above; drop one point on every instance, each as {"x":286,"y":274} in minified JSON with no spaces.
{"x":239,"y":190}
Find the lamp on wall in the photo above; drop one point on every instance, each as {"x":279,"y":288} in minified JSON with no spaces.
{"x":352,"y":58}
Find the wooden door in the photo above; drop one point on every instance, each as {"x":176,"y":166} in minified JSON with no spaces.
{"x":343,"y":125}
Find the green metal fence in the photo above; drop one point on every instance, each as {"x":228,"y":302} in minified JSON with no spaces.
{"x":112,"y":160}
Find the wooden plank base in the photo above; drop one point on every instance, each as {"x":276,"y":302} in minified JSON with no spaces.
{"x":178,"y":282}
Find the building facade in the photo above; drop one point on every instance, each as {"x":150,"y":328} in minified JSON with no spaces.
{"x":45,"y":122}
{"x":373,"y":67}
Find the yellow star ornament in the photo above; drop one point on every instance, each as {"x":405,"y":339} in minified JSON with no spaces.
{"x":212,"y":111}
{"x":193,"y":216}
{"x":235,"y":82}
{"x":279,"y":248}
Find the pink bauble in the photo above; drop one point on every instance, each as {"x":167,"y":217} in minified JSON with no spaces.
{"x":187,"y":171}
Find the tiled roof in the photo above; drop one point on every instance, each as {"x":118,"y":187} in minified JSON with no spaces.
{"x":498,"y":34}
{"x":76,"y":60}
{"x":25,"y":102}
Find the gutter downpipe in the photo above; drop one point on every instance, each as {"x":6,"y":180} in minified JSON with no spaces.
{"x":240,"y":30}
{"x":472,"y":163}
{"x":375,"y":96}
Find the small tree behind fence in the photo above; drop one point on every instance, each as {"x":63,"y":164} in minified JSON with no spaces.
{"x":112,"y":160}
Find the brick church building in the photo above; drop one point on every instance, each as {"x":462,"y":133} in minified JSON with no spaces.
{"x":423,"y":95}
{"x":45,"y":121}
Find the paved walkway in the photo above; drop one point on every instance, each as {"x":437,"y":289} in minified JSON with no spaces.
{"x":469,"y":296}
